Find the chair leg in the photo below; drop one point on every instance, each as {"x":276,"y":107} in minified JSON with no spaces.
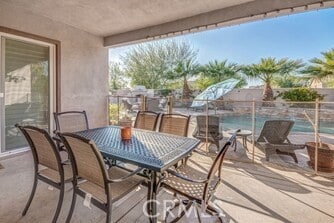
{"x":186,"y":160}
{"x":31,"y":196}
{"x":177,"y":218}
{"x":292,"y":154}
{"x":60,"y":202}
{"x":294,"y":157}
{"x":109,"y":210}
{"x":198,"y":214}
{"x":268,"y":152}
{"x":211,"y":210}
{"x":74,"y":198}
{"x":149,"y":196}
{"x":217,"y":144}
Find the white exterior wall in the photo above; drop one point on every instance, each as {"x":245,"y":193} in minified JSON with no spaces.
{"x":84,"y":62}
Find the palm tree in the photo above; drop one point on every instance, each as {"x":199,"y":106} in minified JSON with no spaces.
{"x":269,"y":68}
{"x":184,"y":69}
{"x":220,"y":71}
{"x":215,"y":72}
{"x":322,"y":68}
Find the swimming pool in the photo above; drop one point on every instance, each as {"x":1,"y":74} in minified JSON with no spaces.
{"x":235,"y":121}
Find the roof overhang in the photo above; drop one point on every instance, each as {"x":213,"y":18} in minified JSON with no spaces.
{"x":247,"y":12}
{"x":122,"y":22}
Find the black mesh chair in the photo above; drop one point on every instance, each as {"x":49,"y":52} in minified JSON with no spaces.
{"x":274,"y":139}
{"x":208,"y":129}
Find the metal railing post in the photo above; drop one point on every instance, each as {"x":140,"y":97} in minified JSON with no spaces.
{"x":143,"y":102}
{"x":118,"y":109}
{"x":108,"y":109}
{"x":207,"y":126}
{"x":253,"y":130}
{"x":316,"y":135}
{"x":169,"y":104}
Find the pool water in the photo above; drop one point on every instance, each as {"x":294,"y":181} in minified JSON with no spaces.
{"x":245,"y":122}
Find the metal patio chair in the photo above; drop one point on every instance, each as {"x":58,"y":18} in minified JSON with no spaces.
{"x":47,"y":164}
{"x":102,"y":185}
{"x":274,"y":139}
{"x":196,"y":186}
{"x":70,"y":121}
{"x":175,"y":124}
{"x":146,"y":120}
{"x":208,"y":130}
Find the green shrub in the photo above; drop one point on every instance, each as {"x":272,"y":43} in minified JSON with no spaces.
{"x":164,"y":92}
{"x":301,"y":94}
{"x":113,"y":113}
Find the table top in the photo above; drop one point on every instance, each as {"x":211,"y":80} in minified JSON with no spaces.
{"x":152,"y":150}
{"x":241,"y":132}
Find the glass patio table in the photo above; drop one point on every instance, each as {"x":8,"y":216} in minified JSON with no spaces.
{"x":153,"y":151}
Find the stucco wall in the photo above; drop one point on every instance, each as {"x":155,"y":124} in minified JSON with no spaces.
{"x":84,"y":62}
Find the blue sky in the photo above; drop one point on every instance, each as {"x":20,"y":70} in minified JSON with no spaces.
{"x":298,"y":36}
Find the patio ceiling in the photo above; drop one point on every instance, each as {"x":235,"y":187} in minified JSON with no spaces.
{"x":122,"y":22}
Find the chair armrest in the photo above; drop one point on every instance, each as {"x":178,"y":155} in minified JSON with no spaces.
{"x":125,"y":177}
{"x":66,"y":162}
{"x":56,"y":138}
{"x":185,"y":177}
{"x":265,"y":140}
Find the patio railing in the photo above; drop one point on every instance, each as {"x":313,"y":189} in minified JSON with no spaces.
{"x":313,"y":122}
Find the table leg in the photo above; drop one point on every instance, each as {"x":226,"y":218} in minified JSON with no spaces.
{"x":149,"y":195}
{"x":152,"y":197}
{"x":244,"y":142}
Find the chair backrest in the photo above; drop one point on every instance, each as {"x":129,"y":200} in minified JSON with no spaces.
{"x":71,"y":121}
{"x":42,"y":146}
{"x":216,"y":166}
{"x":146,"y":120}
{"x":207,"y":124}
{"x":86,"y":159}
{"x":175,"y":124}
{"x":275,"y":131}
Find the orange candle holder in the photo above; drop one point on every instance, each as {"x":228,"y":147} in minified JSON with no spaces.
{"x":126,"y":133}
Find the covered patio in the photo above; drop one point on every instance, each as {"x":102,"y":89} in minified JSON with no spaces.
{"x":79,"y":35}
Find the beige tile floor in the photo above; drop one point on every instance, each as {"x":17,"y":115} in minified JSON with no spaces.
{"x":249,"y":193}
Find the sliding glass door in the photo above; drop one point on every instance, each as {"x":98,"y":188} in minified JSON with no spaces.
{"x":25,"y":88}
